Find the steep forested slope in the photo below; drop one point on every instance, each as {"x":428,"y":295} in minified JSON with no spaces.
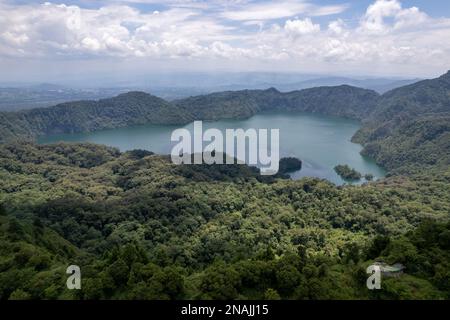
{"x":410,"y":127}
{"x":143,"y":228}
{"x":345,"y":101}
{"x":423,"y":97}
{"x":124,"y":110}
{"x":222,"y":105}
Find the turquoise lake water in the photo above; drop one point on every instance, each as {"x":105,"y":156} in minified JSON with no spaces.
{"x":321,"y":142}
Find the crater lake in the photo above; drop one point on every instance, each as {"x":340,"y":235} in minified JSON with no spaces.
{"x":321,"y":142}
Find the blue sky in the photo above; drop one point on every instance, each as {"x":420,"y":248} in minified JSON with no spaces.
{"x":365,"y":37}
{"x":435,"y":8}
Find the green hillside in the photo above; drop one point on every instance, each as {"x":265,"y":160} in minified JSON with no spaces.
{"x":128,"y":109}
{"x":143,"y":228}
{"x":410,"y":128}
{"x":345,"y":101}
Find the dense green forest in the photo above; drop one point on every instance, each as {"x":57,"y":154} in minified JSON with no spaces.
{"x":142,"y":228}
{"x":410,"y":127}
{"x":127,"y":109}
{"x":347,"y":173}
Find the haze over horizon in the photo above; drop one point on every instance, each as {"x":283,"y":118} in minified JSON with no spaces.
{"x":105,"y":41}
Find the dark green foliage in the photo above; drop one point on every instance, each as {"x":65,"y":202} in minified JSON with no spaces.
{"x":347,"y":173}
{"x":231,"y":172}
{"x":139,"y":154}
{"x":142,"y":228}
{"x":220,"y":282}
{"x":128,"y":109}
{"x":222,"y":105}
{"x":423,"y":255}
{"x":410,"y":128}
{"x":289,"y":164}
{"x":2,"y":210}
{"x":32,"y":265}
{"x":343,"y":101}
{"x":379,"y":244}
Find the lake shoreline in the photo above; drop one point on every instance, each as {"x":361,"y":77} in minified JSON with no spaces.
{"x":320,"y":141}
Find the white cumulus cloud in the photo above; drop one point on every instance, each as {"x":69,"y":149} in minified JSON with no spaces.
{"x":274,"y":34}
{"x":300,"y":27}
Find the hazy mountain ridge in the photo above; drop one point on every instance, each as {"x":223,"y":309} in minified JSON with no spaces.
{"x":379,"y":85}
{"x":21,"y":96}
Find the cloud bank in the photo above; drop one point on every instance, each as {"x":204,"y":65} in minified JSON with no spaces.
{"x":288,"y":35}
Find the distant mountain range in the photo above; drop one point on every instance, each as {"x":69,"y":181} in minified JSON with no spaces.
{"x":379,"y":85}
{"x":46,"y":95}
{"x":15,"y":97}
